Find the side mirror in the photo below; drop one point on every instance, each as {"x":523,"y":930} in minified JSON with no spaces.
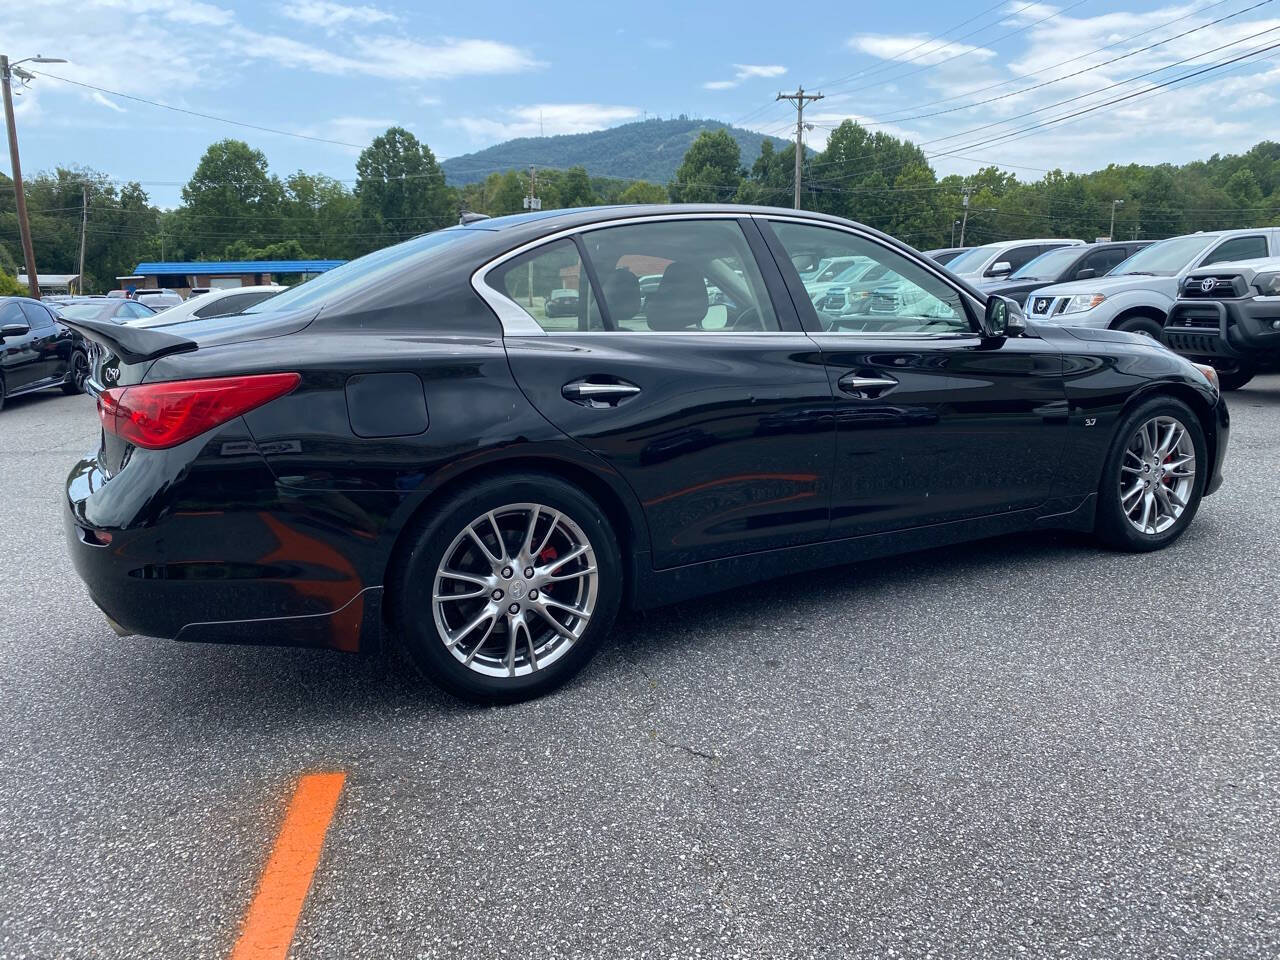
{"x":14,"y":330}
{"x":1088,"y":273}
{"x":1003,"y":318}
{"x":1001,"y":269}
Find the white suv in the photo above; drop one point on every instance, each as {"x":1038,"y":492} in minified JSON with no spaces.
{"x":1137,"y":295}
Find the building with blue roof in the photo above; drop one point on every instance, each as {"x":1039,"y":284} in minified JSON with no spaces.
{"x":184,"y":275}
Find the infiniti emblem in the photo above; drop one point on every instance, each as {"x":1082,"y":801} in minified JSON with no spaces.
{"x":1207,"y":284}
{"x":517,"y":590}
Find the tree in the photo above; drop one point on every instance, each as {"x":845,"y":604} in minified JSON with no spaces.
{"x":642,"y":191}
{"x":231,"y":196}
{"x":400,"y":188}
{"x":575,"y":189}
{"x":710,"y":170}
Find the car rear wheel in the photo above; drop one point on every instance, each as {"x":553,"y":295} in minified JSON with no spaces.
{"x":1154,"y":476}
{"x":508,"y":589}
{"x":2,"y":388}
{"x":1147,"y":326}
{"x":77,"y":373}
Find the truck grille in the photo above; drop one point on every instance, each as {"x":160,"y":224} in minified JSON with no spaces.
{"x":1220,"y":287}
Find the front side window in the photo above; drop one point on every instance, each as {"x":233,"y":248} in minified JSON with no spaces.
{"x":1165,"y":258}
{"x":550,"y":284}
{"x":1047,"y":266}
{"x":236,"y":303}
{"x":1237,"y":248}
{"x":896,"y":296}
{"x":1102,"y":262}
{"x":676,"y":276}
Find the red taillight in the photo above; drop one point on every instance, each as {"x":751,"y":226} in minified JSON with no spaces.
{"x":160,"y":415}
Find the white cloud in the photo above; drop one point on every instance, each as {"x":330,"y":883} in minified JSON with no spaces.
{"x":745,"y":71}
{"x":331,"y":16}
{"x":548,"y":118}
{"x":110,"y":104}
{"x":914,"y":48}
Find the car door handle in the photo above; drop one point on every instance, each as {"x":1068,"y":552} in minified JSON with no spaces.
{"x":598,"y":394}
{"x":851,"y":383}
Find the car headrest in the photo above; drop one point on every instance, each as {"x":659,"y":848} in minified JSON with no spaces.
{"x":621,"y":294}
{"x":680,"y":302}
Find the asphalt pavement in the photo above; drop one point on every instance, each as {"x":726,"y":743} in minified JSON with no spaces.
{"x":1026,"y":747}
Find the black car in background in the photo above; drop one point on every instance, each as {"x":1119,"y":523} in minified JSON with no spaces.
{"x":945,"y":255}
{"x":36,"y":351}
{"x":404,"y":445}
{"x":1064,"y":264}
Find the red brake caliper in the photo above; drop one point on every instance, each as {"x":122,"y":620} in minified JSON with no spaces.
{"x":546,"y":556}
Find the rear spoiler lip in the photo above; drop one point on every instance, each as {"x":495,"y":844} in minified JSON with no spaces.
{"x":131,"y":344}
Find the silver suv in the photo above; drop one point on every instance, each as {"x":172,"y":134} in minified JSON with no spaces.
{"x":1137,"y":295}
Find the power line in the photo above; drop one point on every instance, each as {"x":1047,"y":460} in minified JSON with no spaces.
{"x":197,"y":113}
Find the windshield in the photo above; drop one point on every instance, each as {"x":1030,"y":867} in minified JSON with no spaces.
{"x":80,"y":311}
{"x":971,"y":261}
{"x":357,"y":273}
{"x":1048,"y":266}
{"x":1164,"y":259}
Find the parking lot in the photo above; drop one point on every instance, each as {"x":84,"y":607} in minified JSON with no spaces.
{"x":1026,"y":746}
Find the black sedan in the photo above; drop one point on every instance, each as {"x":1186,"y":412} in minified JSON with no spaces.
{"x":402,"y":447}
{"x":1064,"y":264}
{"x":36,"y":351}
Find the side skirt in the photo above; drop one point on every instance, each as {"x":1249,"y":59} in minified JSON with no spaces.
{"x":655,"y":588}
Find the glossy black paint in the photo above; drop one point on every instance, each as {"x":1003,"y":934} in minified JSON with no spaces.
{"x":740,"y":458}
{"x":38,"y":357}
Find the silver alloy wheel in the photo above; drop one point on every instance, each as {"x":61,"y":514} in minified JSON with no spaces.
{"x":515,"y":590}
{"x":1157,"y":475}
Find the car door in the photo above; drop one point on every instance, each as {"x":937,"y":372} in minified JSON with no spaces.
{"x":19,"y":356}
{"x":718,"y":415}
{"x":934,"y":423}
{"x":52,"y":347}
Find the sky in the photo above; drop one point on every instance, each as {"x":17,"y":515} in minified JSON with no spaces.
{"x":951,"y":77}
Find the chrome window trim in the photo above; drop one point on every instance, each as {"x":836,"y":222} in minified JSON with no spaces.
{"x":517,"y":323}
{"x":923,"y":261}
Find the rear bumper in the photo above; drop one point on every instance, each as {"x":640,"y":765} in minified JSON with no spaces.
{"x":1240,"y":330}
{"x":247,"y":577}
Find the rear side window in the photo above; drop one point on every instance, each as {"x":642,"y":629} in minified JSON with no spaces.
{"x":12,"y":313}
{"x":1237,"y":248}
{"x":37,"y":316}
{"x":707,"y":280}
{"x":550,"y":284}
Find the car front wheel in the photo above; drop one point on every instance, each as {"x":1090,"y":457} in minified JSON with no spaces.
{"x":508,"y":589}
{"x":1154,"y":476}
{"x":1146,"y":326}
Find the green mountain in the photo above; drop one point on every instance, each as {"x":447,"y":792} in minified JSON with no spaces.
{"x":645,"y":150}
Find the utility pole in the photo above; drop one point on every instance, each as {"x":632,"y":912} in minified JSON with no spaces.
{"x":24,"y":225}
{"x":799,"y":98}
{"x":531,"y":202}
{"x":1111,"y":234}
{"x":965,"y":222}
{"x":84,"y":228}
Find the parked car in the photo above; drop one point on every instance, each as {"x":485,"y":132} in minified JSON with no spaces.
{"x":158,"y":300}
{"x":945,"y":255}
{"x":216,"y":303}
{"x":1138,"y":294}
{"x":432,"y":456}
{"x":106,"y":309}
{"x":1228,"y":315}
{"x":995,"y":261}
{"x":843,"y":275}
{"x":1064,"y":264}
{"x":562,"y":303}
{"x":37,"y":351}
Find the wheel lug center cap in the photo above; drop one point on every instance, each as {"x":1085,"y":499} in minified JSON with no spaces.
{"x":518,"y":589}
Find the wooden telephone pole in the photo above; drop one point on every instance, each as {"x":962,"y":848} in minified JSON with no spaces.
{"x":24,"y":225}
{"x":799,"y":98}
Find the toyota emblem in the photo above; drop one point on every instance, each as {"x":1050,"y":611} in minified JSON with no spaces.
{"x":1207,"y":284}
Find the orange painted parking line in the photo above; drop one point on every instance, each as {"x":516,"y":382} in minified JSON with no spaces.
{"x":277,"y":903}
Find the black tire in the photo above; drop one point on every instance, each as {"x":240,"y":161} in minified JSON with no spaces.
{"x":413,"y":577}
{"x":1112,"y":523}
{"x":1144,"y":325}
{"x":77,"y":373}
{"x":1236,"y":377}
